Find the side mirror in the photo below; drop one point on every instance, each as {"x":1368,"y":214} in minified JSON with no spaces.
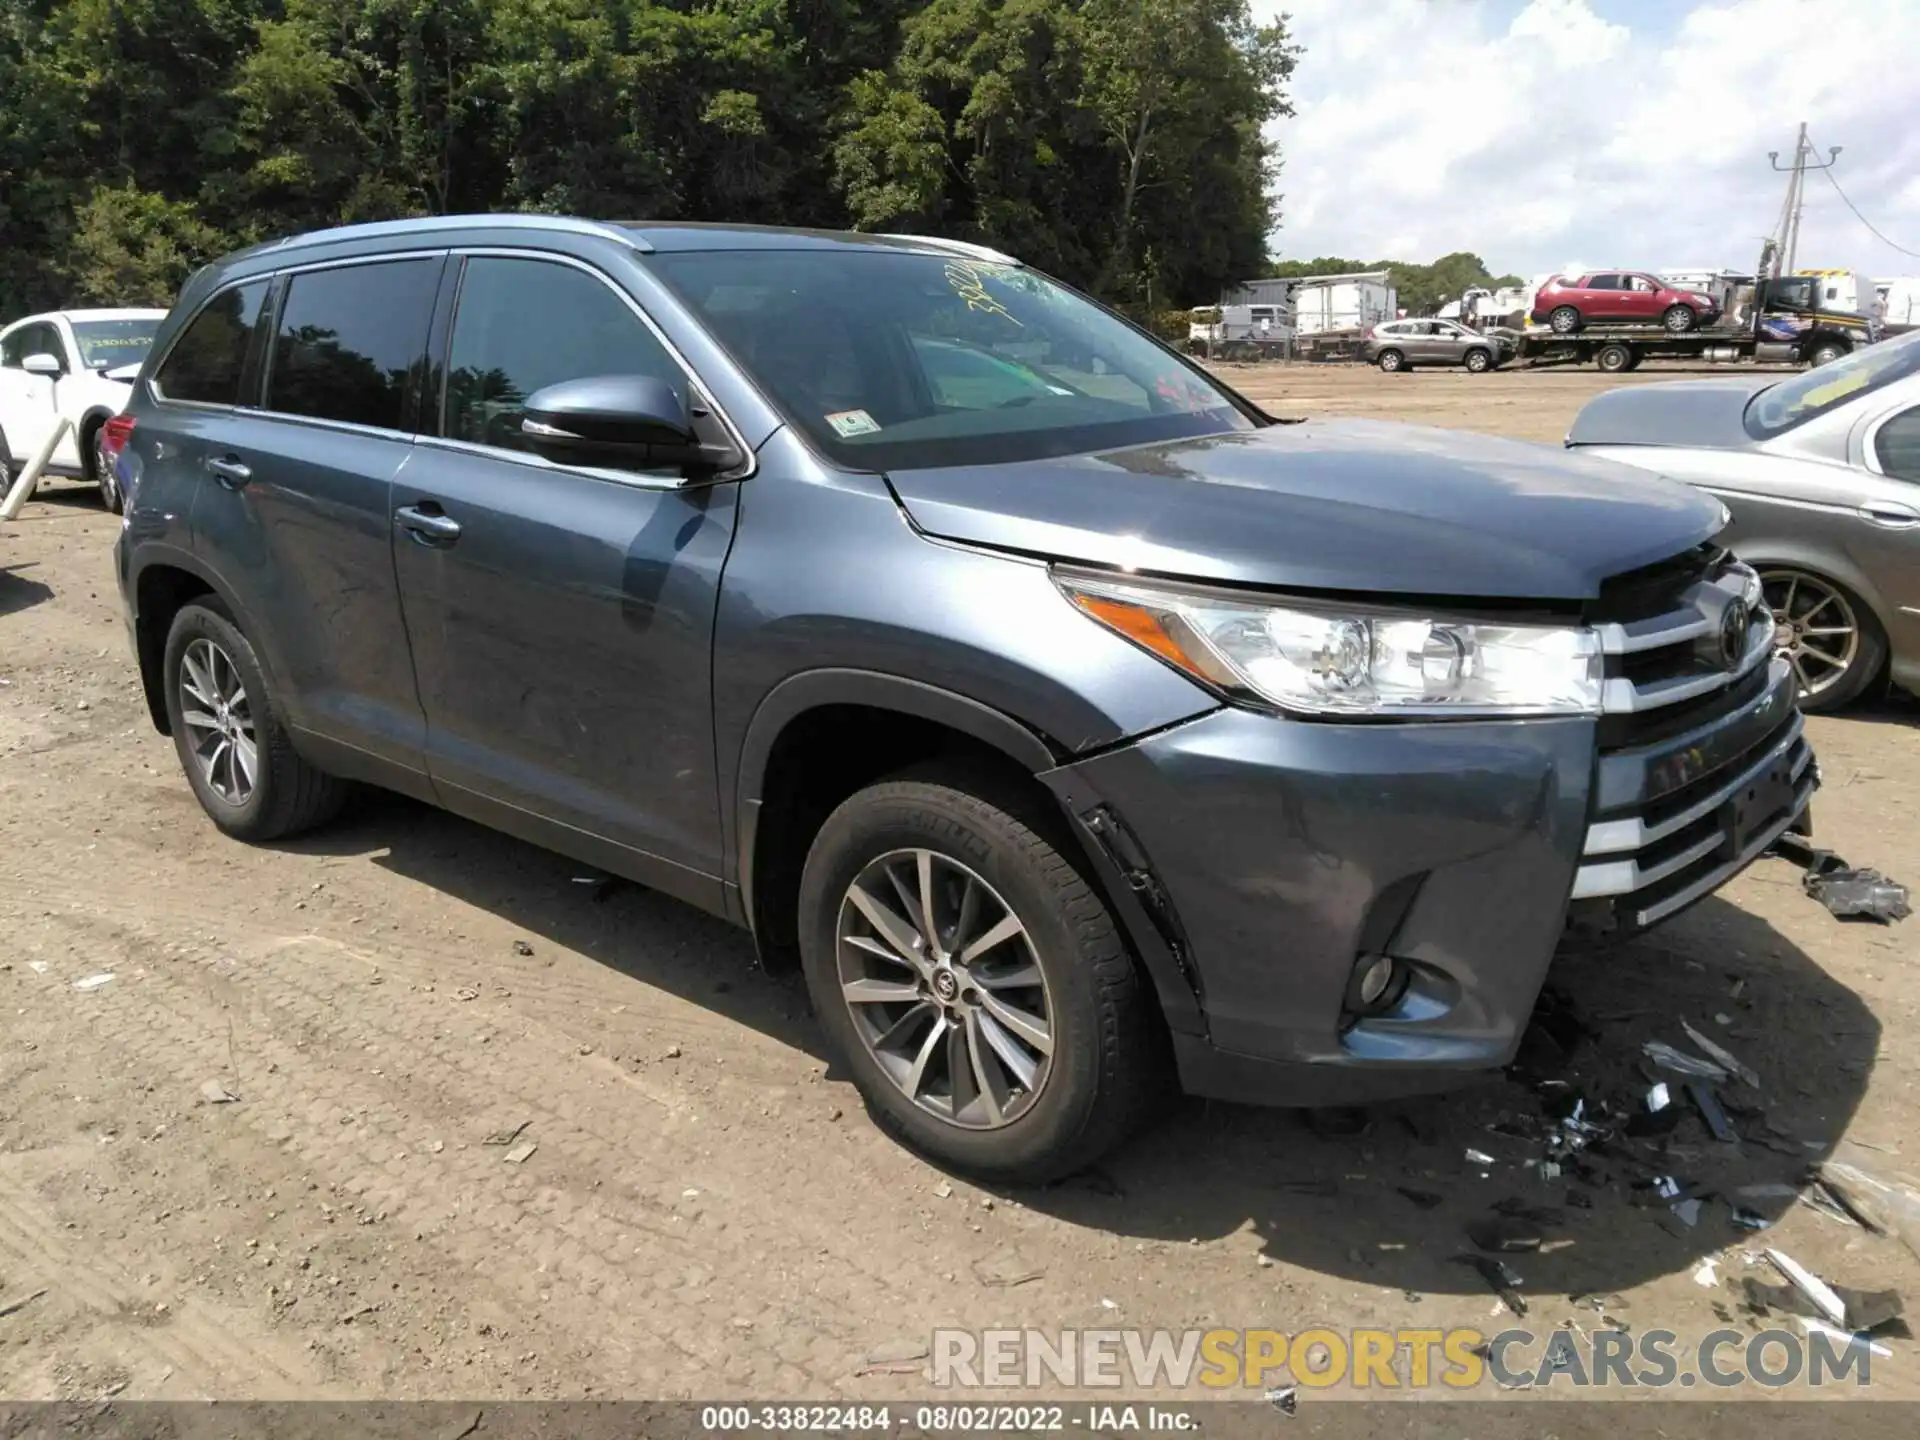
{"x":42,"y":363}
{"x":622,"y":421}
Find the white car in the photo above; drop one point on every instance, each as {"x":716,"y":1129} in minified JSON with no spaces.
{"x":76,"y":365}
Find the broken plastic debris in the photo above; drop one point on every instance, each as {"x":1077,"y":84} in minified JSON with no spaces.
{"x":1707,"y":1275}
{"x":896,"y":1357}
{"x":39,"y":967}
{"x":1504,"y":1235}
{"x":1847,"y":892}
{"x":1668,"y":1058}
{"x":1723,"y":1057}
{"x":214,"y":1093}
{"x":1500,"y":1278}
{"x":94,"y":982}
{"x":521,"y":1153}
{"x":1817,"y":1198}
{"x":1744,"y":1219}
{"x":1286,"y":1399}
{"x":1882,"y":1205}
{"x":507,"y":1137}
{"x":1658,"y":1098}
{"x":1005,"y":1269}
{"x":1479,"y":1157}
{"x":1816,"y":1290}
{"x":1688,"y":1210}
{"x":1708,"y":1104}
{"x":1666,"y":1187}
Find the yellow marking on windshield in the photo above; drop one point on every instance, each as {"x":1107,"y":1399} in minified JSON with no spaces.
{"x":1835,"y":389}
{"x":969,"y":282}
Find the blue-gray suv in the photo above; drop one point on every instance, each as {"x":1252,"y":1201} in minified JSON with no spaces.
{"x":1075,"y":724}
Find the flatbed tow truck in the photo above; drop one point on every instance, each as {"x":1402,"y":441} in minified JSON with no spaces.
{"x":1770,"y":321}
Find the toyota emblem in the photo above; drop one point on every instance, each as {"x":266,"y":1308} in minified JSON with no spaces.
{"x":1735,"y":626}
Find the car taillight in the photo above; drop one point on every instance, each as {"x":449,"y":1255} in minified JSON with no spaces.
{"x":115,"y":434}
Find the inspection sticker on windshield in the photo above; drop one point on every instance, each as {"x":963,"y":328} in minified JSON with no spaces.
{"x":849,"y":423}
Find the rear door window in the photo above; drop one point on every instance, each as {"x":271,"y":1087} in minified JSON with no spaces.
{"x":207,"y":361}
{"x":1897,"y":445}
{"x":525,"y":324}
{"x":350,"y":339}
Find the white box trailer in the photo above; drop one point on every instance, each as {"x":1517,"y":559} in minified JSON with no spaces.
{"x":1325,"y":303}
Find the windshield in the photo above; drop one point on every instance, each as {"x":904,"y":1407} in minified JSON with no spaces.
{"x":1779,"y":408}
{"x":109,"y":344}
{"x":899,"y":360}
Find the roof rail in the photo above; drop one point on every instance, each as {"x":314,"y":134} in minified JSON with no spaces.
{"x":961,"y":247}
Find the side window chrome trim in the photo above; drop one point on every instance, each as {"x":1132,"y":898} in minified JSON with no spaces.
{"x":550,"y":257}
{"x":632,"y":479}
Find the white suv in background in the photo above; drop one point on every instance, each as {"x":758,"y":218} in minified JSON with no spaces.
{"x":76,"y":365}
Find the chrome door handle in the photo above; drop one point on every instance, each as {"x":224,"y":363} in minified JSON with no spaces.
{"x":426,"y":527}
{"x":1890,"y":515}
{"x":230,"y":473}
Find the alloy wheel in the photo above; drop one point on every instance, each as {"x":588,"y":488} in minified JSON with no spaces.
{"x":945,"y":989}
{"x":1814,"y":628}
{"x":219,"y":719}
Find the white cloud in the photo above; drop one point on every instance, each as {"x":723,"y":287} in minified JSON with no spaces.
{"x":1556,"y":132}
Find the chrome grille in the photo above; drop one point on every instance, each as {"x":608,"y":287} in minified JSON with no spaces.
{"x":1703,"y":760}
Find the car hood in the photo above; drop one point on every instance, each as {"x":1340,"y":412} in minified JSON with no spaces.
{"x":1708,"y":414}
{"x":1345,"y":505}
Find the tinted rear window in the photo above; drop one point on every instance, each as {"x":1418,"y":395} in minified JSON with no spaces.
{"x":207,"y":362}
{"x":348,"y":341}
{"x":894,"y":359}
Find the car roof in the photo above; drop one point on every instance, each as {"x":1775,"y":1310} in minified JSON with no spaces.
{"x":643,"y":235}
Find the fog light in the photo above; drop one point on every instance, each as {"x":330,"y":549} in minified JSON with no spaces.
{"x":1374,"y":980}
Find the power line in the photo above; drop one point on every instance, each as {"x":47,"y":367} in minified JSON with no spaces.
{"x":1863,"y":219}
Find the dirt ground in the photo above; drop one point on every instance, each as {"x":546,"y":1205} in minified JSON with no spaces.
{"x":705,"y":1211}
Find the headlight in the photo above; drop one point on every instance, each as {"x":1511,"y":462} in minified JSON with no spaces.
{"x":1350,"y":661}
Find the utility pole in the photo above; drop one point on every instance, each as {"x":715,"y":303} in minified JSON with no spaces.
{"x":1788,"y":230}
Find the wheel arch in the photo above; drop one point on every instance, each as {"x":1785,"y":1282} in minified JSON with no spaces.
{"x":160,"y":586}
{"x":94,"y":417}
{"x":821,"y":735}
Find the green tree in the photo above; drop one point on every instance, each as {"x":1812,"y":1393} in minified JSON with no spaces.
{"x":132,"y":247}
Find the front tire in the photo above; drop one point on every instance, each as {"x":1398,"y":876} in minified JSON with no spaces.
{"x":1831,"y":639}
{"x":1679,"y":319}
{"x":1564,"y":320}
{"x":1392,"y":362}
{"x":1479,"y":362}
{"x":973,"y":981}
{"x":228,"y":732}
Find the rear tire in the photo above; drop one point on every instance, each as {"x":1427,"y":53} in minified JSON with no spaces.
{"x":1679,"y":319}
{"x":1564,"y":320}
{"x":1614,"y":356}
{"x":913,"y":1057}
{"x":1478,"y":362}
{"x":217,"y":692}
{"x":1826,"y":353}
{"x":1391,"y":362}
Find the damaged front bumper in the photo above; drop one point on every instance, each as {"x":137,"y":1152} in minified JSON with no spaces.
{"x":1262,"y":863}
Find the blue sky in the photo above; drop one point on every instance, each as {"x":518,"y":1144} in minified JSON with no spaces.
{"x":1545,"y":134}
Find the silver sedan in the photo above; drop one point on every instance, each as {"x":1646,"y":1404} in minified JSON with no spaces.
{"x":1821,"y":475}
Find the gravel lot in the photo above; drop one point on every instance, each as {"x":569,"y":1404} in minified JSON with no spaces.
{"x":706,"y":1212}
